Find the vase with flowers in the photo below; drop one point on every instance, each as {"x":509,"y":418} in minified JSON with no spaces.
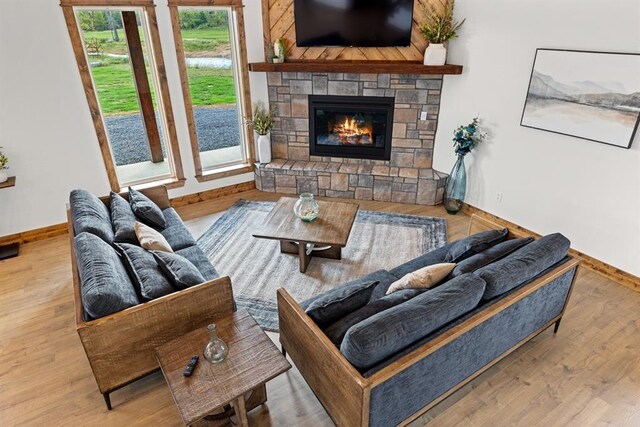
{"x":438,"y":28}
{"x":465,"y":138}
{"x":262,"y":123}
{"x":4,"y":165}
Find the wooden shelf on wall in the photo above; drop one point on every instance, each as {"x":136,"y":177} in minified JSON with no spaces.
{"x":365,"y":67}
{"x":8,"y":183}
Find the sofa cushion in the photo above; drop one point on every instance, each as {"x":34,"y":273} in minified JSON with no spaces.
{"x":122,"y":219}
{"x":182,"y":273}
{"x":523,"y":264}
{"x":90,"y":215}
{"x":151,"y":239}
{"x":147,"y":276}
{"x":199,"y":259}
{"x":423,"y":278}
{"x":469,"y":246}
{"x":105,"y":286}
{"x":490,"y":255}
{"x":146,"y":209}
{"x":338,"y":329}
{"x":384,"y":334}
{"x":435,"y":256}
{"x":175,"y":231}
{"x":332,"y":305}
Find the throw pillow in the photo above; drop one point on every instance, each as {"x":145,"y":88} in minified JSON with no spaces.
{"x":336,"y":303}
{"x":123,"y":219}
{"x":143,"y":268}
{"x":384,"y":334}
{"x":424,"y":278}
{"x":146,"y":209}
{"x":469,"y":246}
{"x":151,"y":239}
{"x":90,"y":215}
{"x":178,"y":269}
{"x":490,"y":255}
{"x":105,"y":285}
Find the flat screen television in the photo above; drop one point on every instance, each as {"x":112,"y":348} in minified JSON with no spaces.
{"x":357,"y":23}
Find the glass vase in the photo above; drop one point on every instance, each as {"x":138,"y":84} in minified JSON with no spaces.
{"x":216,"y":350}
{"x":456,"y":187}
{"x":306,"y":208}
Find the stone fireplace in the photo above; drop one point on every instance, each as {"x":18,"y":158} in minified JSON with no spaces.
{"x":332,"y":138}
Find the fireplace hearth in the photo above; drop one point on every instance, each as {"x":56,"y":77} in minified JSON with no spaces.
{"x":350,"y":126}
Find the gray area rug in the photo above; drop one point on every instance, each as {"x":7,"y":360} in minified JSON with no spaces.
{"x":378,"y":240}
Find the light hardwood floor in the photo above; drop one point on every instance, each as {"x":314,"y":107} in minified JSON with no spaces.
{"x":588,"y":374}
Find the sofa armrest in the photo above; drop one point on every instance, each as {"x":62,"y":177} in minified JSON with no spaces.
{"x":121,"y":347}
{"x":337,"y":384}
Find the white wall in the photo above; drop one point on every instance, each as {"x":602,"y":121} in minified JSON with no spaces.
{"x":45,"y":125}
{"x":588,"y":191}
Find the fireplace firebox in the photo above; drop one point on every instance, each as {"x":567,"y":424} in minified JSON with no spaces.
{"x":350,"y":126}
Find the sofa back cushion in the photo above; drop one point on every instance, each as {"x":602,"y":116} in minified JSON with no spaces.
{"x":122,"y":219}
{"x":146,"y":274}
{"x":435,"y":256}
{"x":182,"y":272}
{"x":90,"y":215}
{"x":490,"y":255}
{"x":384,"y":334}
{"x":523,"y":264}
{"x":469,"y":246}
{"x":105,"y":286}
{"x":175,"y":232}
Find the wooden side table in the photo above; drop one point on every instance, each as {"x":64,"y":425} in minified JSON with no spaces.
{"x":252,"y":361}
{"x":12,"y":249}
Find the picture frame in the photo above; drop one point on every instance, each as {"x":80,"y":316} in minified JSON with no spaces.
{"x":585,"y":94}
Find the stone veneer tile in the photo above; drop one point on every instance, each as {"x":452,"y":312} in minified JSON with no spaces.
{"x":276,"y":163}
{"x":373,"y":92}
{"x":422,"y":159}
{"x":399,"y":130}
{"x":300,"y":87}
{"x":405,"y":115}
{"x":299,"y":106}
{"x":320,"y":85}
{"x":275,"y":79}
{"x":364,"y":193}
{"x":426,"y":192}
{"x":340,"y":194}
{"x":365,"y":181}
{"x":365,"y":168}
{"x":348,"y":168}
{"x":336,"y":76}
{"x":288,"y":165}
{"x":415,"y":96}
{"x":307,"y":185}
{"x":309,"y":166}
{"x":408,"y":173}
{"x":324,"y":182}
{"x":343,"y":88}
{"x":380,"y":170}
{"x":333,"y":167}
{"x":394,"y":170}
{"x":402,"y":197}
{"x":298,"y":153}
{"x":285,"y":181}
{"x":407,"y":143}
{"x":384,"y":80}
{"x":382,"y":190}
{"x":401,"y":159}
{"x":319,"y":166}
{"x":339,"y":181}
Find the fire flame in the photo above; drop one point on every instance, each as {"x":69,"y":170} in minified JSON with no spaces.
{"x":351,"y":133}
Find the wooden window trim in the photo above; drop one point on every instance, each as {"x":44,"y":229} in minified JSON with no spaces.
{"x":155,"y":49}
{"x":236,"y":5}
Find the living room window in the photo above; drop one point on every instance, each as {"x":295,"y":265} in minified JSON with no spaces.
{"x":117,"y":48}
{"x":212,"y":61}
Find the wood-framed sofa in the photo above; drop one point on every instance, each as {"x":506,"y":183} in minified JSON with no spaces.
{"x":121,"y":347}
{"x":354,"y":398}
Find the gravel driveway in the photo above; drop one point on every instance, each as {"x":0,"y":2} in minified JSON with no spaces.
{"x":216,"y":127}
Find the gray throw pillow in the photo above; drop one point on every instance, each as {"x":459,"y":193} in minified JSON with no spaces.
{"x":123,"y":219}
{"x":386,"y":333}
{"x":145,"y":209}
{"x":469,"y":246}
{"x":105,"y":286}
{"x":90,"y":215}
{"x":337,"y":330}
{"x":490,"y":255}
{"x":338,"y":302}
{"x":178,"y":269}
{"x":200,"y":260}
{"x":143,"y":268}
{"x":523,"y":265}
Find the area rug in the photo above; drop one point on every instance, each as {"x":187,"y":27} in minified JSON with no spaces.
{"x":378,"y":240}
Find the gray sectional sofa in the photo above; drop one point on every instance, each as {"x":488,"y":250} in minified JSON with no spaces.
{"x":120,"y":325}
{"x":381,"y":360}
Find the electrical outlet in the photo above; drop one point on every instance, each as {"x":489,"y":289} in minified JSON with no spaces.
{"x":423,"y":115}
{"x":499,"y":197}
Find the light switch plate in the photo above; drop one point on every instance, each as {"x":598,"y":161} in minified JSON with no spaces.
{"x":423,"y":115}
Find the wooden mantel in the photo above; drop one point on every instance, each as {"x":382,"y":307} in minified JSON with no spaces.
{"x":365,"y":67}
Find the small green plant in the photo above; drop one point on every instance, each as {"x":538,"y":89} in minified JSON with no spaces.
{"x":4,"y":161}
{"x":262,"y":121}
{"x":439,"y":26}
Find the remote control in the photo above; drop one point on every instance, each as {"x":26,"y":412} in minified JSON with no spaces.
{"x":191,"y":366}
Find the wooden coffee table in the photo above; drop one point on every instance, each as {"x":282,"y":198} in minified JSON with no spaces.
{"x":212,"y":388}
{"x":323,"y":237}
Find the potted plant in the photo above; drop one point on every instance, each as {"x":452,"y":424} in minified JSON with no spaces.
{"x":465,"y":138}
{"x":4,"y":165}
{"x":438,"y":29}
{"x":262,"y":123}
{"x":279,"y":51}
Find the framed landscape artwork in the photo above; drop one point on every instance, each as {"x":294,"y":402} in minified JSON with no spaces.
{"x":588,"y":95}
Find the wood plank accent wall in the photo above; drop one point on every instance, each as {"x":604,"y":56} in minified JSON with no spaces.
{"x":278,"y":22}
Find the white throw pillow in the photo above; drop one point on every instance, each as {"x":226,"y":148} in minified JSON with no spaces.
{"x":151,"y":239}
{"x":424,"y":278}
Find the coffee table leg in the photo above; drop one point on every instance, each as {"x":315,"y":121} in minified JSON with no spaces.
{"x":304,"y":258}
{"x":241,"y":411}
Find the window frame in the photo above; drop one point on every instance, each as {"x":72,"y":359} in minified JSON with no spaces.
{"x":239,"y":52}
{"x":158,"y":72}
